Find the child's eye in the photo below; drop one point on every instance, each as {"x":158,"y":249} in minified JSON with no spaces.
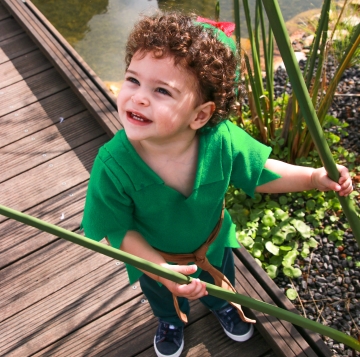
{"x":163,"y":91}
{"x":132,"y":80}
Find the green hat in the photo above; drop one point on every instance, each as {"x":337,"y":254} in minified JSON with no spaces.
{"x":222,"y":30}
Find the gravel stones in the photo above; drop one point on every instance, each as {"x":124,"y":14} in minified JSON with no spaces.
{"x":332,"y":296}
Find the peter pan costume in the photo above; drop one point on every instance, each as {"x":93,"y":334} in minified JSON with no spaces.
{"x":124,"y":194}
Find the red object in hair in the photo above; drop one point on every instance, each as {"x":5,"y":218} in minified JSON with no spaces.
{"x":227,"y":27}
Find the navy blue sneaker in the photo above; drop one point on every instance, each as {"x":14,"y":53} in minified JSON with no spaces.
{"x":234,"y":327}
{"x":169,"y":340}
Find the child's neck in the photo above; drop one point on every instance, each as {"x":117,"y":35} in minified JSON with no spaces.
{"x":171,"y":149}
{"x":175,"y":162}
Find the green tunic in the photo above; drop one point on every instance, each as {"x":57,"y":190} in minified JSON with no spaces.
{"x":124,"y":193}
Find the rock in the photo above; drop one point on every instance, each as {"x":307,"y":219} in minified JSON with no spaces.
{"x":308,"y":40}
{"x":352,"y":20}
{"x":338,"y":35}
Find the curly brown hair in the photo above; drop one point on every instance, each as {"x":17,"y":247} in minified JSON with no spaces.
{"x":195,"y":48}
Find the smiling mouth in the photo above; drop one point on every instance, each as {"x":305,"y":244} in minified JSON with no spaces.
{"x":138,"y":118}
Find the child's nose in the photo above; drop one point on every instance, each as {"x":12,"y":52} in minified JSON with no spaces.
{"x":140,"y":99}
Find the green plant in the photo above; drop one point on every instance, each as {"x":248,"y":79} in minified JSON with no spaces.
{"x":343,"y":31}
{"x":262,"y":112}
{"x":278,"y":239}
{"x":290,"y":239}
{"x":273,"y":238}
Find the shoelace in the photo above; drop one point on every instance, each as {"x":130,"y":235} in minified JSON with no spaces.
{"x":169,"y":333}
{"x":230,"y":313}
{"x":229,"y":317}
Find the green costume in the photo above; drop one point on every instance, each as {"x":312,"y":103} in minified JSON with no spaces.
{"x":124,"y":194}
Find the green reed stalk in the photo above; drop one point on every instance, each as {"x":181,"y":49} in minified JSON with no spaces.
{"x":268,"y":50}
{"x":238,"y":46}
{"x":217,"y":11}
{"x":330,"y":90}
{"x":237,"y":25}
{"x":299,"y":87}
{"x":179,"y":278}
{"x":255,"y":55}
{"x":323,"y":23}
{"x":344,"y":63}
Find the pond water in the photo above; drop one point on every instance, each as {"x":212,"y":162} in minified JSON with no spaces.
{"x":98,"y":29}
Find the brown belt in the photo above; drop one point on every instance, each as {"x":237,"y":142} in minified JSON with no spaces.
{"x":199,"y":258}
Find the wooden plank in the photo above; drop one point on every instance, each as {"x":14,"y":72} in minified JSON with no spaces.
{"x":48,"y":270}
{"x":129,"y":331}
{"x":280,"y":300}
{"x":64,"y":210}
{"x":124,"y":332}
{"x":45,"y":181}
{"x":23,"y":67}
{"x":57,"y":37}
{"x":205,"y":337}
{"x":48,"y":144}
{"x":88,"y":92}
{"x":9,"y":28}
{"x":30,"y":91}
{"x":3,"y":12}
{"x":105,"y":94}
{"x":281,"y":335}
{"x":213,"y":342}
{"x":269,"y":327}
{"x":15,"y":46}
{"x":38,"y":116}
{"x":72,"y":306}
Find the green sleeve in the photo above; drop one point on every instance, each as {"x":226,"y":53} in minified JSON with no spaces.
{"x":108,"y":210}
{"x":249,"y":157}
{"x":267,"y":176}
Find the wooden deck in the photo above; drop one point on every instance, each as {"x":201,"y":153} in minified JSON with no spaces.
{"x":57,"y":298}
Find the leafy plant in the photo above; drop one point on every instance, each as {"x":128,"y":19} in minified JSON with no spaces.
{"x":342,"y":19}
{"x":275,"y":238}
{"x":291,"y":294}
{"x":278,"y":239}
{"x":279,"y":230}
{"x":272,"y":120}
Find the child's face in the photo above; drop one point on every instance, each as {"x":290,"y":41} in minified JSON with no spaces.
{"x":159,"y":101}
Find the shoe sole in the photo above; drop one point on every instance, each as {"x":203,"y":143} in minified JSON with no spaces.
{"x":176,"y":354}
{"x":241,"y":338}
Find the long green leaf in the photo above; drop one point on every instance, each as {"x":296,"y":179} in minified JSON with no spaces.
{"x":237,"y":24}
{"x":344,"y":63}
{"x":322,"y":26}
{"x":255,"y":53}
{"x":302,"y":94}
{"x":238,"y":40}
{"x":269,"y":70}
{"x":254,"y":88}
{"x":327,"y":99}
{"x":320,"y":55}
{"x":217,"y":11}
{"x":179,"y":278}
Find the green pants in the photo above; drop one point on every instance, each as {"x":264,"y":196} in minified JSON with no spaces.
{"x":161,"y":300}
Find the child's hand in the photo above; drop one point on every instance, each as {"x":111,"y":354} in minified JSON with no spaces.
{"x":322,"y":181}
{"x":195,"y":290}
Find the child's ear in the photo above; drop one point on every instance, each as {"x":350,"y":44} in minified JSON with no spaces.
{"x":204,"y":113}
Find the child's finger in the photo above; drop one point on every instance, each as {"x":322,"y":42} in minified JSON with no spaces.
{"x":195,"y":290}
{"x":327,"y":184}
{"x":183,"y":269}
{"x":344,"y":181}
{"x":346,"y":188}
